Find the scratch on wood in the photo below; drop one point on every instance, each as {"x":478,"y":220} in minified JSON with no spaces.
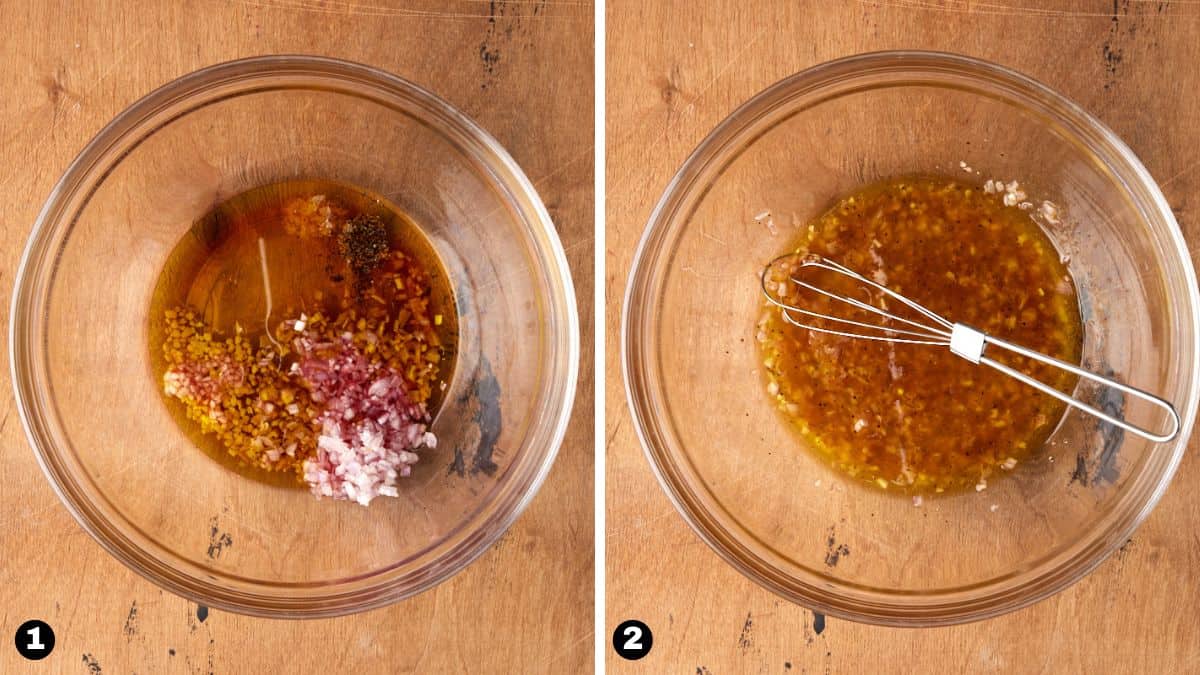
{"x":490,"y":57}
{"x":218,"y":541}
{"x":1186,"y":170}
{"x":718,"y":277}
{"x":93,"y":666}
{"x":359,"y":9}
{"x":643,"y":528}
{"x":746,"y":639}
{"x":130,"y":628}
{"x":586,"y":153}
{"x":834,"y":551}
{"x":1112,"y":52}
{"x":120,"y":56}
{"x":612,"y":436}
{"x":502,"y":24}
{"x":973,"y":7}
{"x":558,"y":655}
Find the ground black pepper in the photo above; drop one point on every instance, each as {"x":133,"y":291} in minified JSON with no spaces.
{"x":364,"y":243}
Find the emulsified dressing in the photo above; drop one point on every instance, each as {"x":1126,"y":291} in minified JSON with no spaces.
{"x":917,"y":417}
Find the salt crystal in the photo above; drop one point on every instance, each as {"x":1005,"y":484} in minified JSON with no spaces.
{"x":1049,"y":212}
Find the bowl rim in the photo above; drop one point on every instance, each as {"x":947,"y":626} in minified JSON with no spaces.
{"x":135,"y":122}
{"x":904,"y":609}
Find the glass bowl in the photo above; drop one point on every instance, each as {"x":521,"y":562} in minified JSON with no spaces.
{"x":728,"y":460}
{"x":91,"y":406}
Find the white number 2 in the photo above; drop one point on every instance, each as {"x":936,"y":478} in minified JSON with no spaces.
{"x":35,"y":638}
{"x":634,"y":635}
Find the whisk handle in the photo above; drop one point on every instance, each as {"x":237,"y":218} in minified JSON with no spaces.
{"x":1076,"y":403}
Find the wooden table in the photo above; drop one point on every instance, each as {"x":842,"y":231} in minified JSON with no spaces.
{"x":676,"y":69}
{"x":524,"y":71}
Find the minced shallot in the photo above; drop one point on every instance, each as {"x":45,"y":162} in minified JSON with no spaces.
{"x":370,"y":428}
{"x":203,"y":380}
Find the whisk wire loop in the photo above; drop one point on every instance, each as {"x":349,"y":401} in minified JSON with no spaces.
{"x":962,"y":340}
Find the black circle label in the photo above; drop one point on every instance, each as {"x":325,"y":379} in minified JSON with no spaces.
{"x":632,"y":639}
{"x":35,"y":640}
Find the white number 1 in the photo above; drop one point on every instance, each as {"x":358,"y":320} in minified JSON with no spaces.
{"x":635,"y":635}
{"x":35,"y":638}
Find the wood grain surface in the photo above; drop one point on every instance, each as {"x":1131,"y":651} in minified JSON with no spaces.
{"x":523,"y":70}
{"x":676,"y":69}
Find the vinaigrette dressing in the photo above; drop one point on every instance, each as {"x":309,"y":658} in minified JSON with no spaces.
{"x":918,"y":418}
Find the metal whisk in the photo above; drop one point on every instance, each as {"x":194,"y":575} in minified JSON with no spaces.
{"x":962,"y":339}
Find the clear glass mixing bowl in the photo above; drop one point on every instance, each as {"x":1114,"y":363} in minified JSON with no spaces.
{"x":726,"y":458}
{"x":90,"y":403}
